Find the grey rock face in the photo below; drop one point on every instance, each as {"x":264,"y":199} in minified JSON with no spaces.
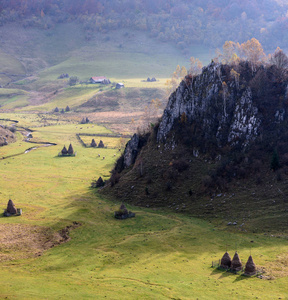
{"x":222,"y":107}
{"x":131,"y":151}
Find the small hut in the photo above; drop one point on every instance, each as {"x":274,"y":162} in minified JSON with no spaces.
{"x":101,"y":144}
{"x":93,"y":143}
{"x":64,"y":151}
{"x":250,"y":268}
{"x":226,"y":261}
{"x":236,"y":264}
{"x":123,"y":213}
{"x":70,"y":150}
{"x":119,"y":85}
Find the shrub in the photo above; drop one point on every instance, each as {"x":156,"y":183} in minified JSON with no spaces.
{"x":279,"y":176}
{"x":147,"y":191}
{"x":168,"y":186}
{"x":73,"y":80}
{"x":115,"y":177}
{"x":12,"y":129}
{"x":119,"y":165}
{"x":275,"y":161}
{"x":180,"y":165}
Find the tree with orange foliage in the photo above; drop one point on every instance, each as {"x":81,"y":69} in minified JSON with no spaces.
{"x":230,"y":50}
{"x":252,"y":51}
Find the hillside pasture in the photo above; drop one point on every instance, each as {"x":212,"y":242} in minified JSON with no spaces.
{"x":159,"y":254}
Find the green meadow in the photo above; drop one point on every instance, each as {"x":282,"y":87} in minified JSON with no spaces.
{"x":158,"y":254}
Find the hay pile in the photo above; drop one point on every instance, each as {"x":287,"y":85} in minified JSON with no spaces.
{"x":236,"y":264}
{"x":226,"y":261}
{"x":250,"y":268}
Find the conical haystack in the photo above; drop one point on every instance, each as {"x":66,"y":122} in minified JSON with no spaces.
{"x":70,"y":150}
{"x":250,"y":268}
{"x":64,"y":151}
{"x":11,"y":209}
{"x":123,"y":208}
{"x":101,"y":144}
{"x":236,"y":264}
{"x":93,"y":143}
{"x":100,"y":182}
{"x":226,"y":261}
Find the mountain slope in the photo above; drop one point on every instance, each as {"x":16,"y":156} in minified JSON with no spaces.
{"x":220,"y":149}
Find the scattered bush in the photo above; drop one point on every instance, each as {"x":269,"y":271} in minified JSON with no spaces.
{"x":180,"y":165}
{"x":279,"y":175}
{"x":12,"y":128}
{"x":168,"y":186}
{"x":115,"y":177}
{"x":73,"y":80}
{"x":275,"y":161}
{"x":147,"y":191}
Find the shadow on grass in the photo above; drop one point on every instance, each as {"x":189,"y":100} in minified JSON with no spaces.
{"x":241,"y":278}
{"x":223,"y":273}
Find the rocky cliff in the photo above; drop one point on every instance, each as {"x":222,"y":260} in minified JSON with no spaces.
{"x":220,"y":148}
{"x":224,"y":103}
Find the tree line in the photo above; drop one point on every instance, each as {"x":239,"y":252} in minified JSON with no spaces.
{"x":181,"y":21}
{"x":233,"y":53}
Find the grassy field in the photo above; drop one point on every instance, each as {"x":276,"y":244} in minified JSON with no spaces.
{"x":157,"y":255}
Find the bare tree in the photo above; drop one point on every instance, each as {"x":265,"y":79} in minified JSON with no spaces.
{"x":279,"y":59}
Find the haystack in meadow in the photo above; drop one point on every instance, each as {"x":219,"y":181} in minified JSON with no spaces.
{"x":101,"y":144}
{"x":93,"y":143}
{"x":123,"y":213}
{"x":250,"y":268}
{"x":236,"y":264}
{"x":11,"y":208}
{"x":64,"y":151}
{"x":226,"y":261}
{"x":70,"y":150}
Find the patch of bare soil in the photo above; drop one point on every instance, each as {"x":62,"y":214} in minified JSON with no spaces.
{"x":37,"y":98}
{"x":18,"y":241}
{"x":277,"y":268}
{"x":6,"y":136}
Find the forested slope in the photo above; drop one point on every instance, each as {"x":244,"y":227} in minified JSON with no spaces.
{"x":183,"y":22}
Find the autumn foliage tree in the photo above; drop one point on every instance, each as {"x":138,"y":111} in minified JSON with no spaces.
{"x":176,"y":78}
{"x":253,"y":51}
